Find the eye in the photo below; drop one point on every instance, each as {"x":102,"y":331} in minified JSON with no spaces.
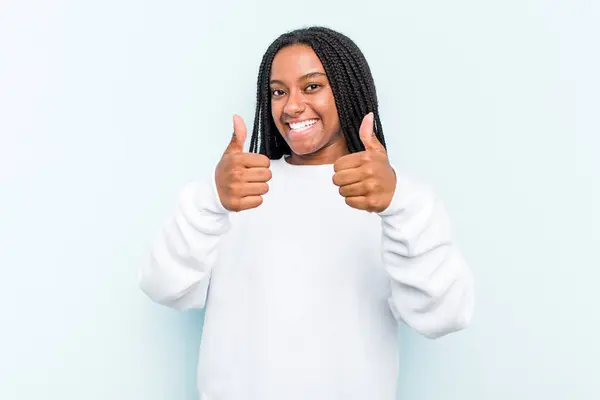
{"x":312,"y":87}
{"x":277,"y":92}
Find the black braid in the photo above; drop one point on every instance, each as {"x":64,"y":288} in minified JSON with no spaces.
{"x":351,"y":83}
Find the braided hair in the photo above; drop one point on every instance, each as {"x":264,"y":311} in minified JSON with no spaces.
{"x":351,"y":83}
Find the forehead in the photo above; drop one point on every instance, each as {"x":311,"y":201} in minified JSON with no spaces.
{"x":295,"y":61}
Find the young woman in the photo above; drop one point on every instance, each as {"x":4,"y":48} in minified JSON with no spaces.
{"x":309,"y":249}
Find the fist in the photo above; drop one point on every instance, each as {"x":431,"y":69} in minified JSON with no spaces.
{"x":241,"y":178}
{"x":366,"y":179}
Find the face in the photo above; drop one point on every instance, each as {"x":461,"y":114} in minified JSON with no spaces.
{"x":303,"y":107}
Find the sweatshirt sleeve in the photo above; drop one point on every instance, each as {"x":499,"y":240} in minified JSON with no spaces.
{"x":432,"y":288}
{"x":185,"y":249}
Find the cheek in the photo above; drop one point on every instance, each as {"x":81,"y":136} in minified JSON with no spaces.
{"x":328,"y":111}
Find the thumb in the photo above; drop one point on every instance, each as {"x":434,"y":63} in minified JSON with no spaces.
{"x":239,"y":136}
{"x":367,"y":135}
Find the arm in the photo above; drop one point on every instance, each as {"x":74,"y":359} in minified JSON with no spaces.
{"x":185,"y":249}
{"x":432,"y":286}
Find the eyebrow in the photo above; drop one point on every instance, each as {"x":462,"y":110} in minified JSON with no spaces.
{"x":303,"y":77}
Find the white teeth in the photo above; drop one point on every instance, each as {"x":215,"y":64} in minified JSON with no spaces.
{"x":303,"y":124}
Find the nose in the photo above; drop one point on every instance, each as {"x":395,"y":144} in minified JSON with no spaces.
{"x":295,"y":104}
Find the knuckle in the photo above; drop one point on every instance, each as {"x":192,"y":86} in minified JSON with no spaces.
{"x":372,"y":203}
{"x":237,"y":174}
{"x":372,"y":185}
{"x":238,"y":160}
{"x":235,"y":188}
{"x":369,"y":170}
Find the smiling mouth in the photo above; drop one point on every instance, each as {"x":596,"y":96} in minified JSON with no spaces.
{"x":303,"y":126}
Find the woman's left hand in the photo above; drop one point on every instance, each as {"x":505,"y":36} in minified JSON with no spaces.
{"x":366,"y":179}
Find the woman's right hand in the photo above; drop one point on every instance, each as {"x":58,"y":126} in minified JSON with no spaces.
{"x":241,"y":177}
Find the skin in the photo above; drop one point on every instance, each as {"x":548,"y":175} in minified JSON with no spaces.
{"x":241,"y":178}
{"x":301,"y":91}
{"x":366,"y":179}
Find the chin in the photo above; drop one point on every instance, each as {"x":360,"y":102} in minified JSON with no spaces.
{"x":302,"y":150}
{"x":303,"y":146}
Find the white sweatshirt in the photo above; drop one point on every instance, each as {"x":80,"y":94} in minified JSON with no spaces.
{"x":304,"y":293}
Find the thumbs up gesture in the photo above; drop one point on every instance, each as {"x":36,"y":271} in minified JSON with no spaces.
{"x":241,"y":178}
{"x":366,"y":179}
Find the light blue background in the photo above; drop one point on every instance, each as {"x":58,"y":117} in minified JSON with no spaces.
{"x":107,"y":108}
